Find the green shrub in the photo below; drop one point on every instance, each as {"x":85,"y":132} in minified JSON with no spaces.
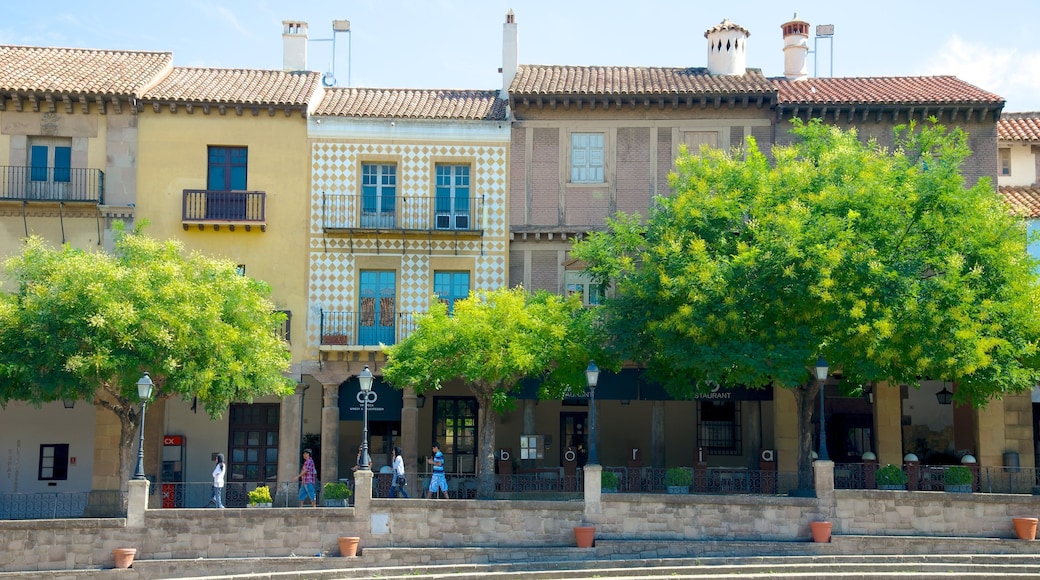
{"x":336,"y":490}
{"x":260,"y":494}
{"x":957,"y":475}
{"x":608,"y":479}
{"x":678,"y":477}
{"x":890,"y":475}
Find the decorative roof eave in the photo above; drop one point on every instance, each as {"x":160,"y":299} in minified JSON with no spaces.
{"x":50,"y":102}
{"x":222,"y":107}
{"x":643,"y":101}
{"x":864,"y":112}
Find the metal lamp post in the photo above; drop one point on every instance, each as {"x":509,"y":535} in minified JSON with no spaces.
{"x":592,"y":376}
{"x":821,"y":375}
{"x":365,"y":379}
{"x":144,"y":391}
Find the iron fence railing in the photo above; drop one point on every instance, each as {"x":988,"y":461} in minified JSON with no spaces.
{"x":712,"y":480}
{"x":349,"y":211}
{"x":66,"y":184}
{"x":1013,"y":480}
{"x":203,"y":205}
{"x":42,"y":506}
{"x":348,"y":328}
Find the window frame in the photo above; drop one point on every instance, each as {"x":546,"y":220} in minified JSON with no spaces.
{"x":373,"y":286}
{"x":719,"y":436}
{"x":59,"y":459}
{"x":453,"y":196}
{"x":1004,"y":161}
{"x":453,"y":287}
{"x":233,"y":165}
{"x":380,"y":186}
{"x":588,"y":157}
{"x":592,"y":294}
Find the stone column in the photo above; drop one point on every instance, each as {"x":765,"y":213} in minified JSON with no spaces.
{"x":290,"y":417}
{"x":363,"y":494}
{"x":593,"y":489}
{"x":136,"y":502}
{"x":785,"y":428}
{"x":888,"y":423}
{"x":409,"y":441}
{"x":330,"y":432}
{"x":823,"y":480}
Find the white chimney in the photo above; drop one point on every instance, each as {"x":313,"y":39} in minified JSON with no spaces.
{"x":294,"y":45}
{"x":510,"y":52}
{"x":796,"y":49}
{"x":727,"y":48}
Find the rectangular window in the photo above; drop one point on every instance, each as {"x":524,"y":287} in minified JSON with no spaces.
{"x":227,"y":168}
{"x":718,"y":427}
{"x":453,"y":201}
{"x":695,"y":139}
{"x":455,"y":428}
{"x":450,"y":287}
{"x":378,"y":195}
{"x":586,"y":157}
{"x":376,"y":312}
{"x":54,"y":462}
{"x":578,"y":282}
{"x":253,"y":448}
{"x":1004,"y":156}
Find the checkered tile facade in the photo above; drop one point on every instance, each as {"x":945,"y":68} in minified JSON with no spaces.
{"x":334,"y":257}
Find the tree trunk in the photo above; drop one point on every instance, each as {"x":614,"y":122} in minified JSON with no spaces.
{"x":486,"y":449}
{"x":805,"y":400}
{"x":129,"y":435}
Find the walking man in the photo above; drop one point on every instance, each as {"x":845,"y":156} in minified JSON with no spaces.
{"x":437,"y":481}
{"x":307,"y":477}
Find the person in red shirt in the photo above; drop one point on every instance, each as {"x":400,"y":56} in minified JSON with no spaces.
{"x":307,"y":477}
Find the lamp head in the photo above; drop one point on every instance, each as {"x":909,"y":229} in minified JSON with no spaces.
{"x":365,"y":379}
{"x":592,"y":374}
{"x":821,"y":369}
{"x":144,"y":387}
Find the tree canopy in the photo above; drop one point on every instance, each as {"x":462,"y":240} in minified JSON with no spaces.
{"x":87,"y":325}
{"x":882,"y":261}
{"x":491,"y":341}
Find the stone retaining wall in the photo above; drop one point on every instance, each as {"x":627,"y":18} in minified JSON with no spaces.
{"x":930,"y":513}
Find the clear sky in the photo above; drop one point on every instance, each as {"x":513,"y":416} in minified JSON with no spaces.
{"x":458,"y":43}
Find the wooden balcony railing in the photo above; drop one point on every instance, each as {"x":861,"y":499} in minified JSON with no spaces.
{"x":204,"y":206}
{"x":57,"y":184}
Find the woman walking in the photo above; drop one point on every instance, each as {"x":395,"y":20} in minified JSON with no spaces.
{"x":399,"y":481}
{"x":218,"y":482}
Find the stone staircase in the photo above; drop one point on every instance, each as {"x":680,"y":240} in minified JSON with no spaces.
{"x":858,"y":557}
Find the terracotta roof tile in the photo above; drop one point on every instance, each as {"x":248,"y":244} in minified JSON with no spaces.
{"x":726,"y":24}
{"x":32,"y":69}
{"x":1025,"y":198}
{"x":932,"y":90}
{"x":1019,"y":127}
{"x":412,"y":104}
{"x":235,"y":86}
{"x":536,"y":80}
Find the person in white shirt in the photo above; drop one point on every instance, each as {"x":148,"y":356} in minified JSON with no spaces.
{"x":218,"y":482}
{"x":399,"y":481}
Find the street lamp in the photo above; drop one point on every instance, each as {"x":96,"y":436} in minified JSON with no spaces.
{"x":821,"y":375}
{"x":365,"y":379}
{"x":144,"y":391}
{"x":592,"y":376}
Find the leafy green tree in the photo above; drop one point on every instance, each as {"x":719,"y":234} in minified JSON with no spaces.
{"x":87,"y":325}
{"x":492,"y":341}
{"x":881,"y":261}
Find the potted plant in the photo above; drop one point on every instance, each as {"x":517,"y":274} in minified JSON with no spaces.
{"x":890,"y":477}
{"x":608,"y":481}
{"x":260,"y":496}
{"x":678,"y":480}
{"x":336,"y":494}
{"x":958,"y":479}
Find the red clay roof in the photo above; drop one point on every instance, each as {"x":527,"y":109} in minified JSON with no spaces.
{"x":536,"y":80}
{"x":33,"y":69}
{"x":1025,"y":198}
{"x":932,"y":90}
{"x":412,"y":104}
{"x":1019,"y":127}
{"x":235,"y":86}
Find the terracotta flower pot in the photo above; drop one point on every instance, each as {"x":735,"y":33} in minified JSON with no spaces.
{"x":584,"y":535}
{"x":821,"y":532}
{"x":1025,"y":528}
{"x":348,"y":546}
{"x":124,"y":557}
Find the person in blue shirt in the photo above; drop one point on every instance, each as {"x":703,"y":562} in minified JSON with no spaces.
{"x":437,"y":482}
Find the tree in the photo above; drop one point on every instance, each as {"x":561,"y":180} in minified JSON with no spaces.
{"x":87,"y":325}
{"x":883,"y":262}
{"x":492,"y":341}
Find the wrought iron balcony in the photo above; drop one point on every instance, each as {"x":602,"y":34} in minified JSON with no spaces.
{"x":52,"y":184}
{"x":426,"y":213}
{"x":339,"y":328}
{"x":204,"y":206}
